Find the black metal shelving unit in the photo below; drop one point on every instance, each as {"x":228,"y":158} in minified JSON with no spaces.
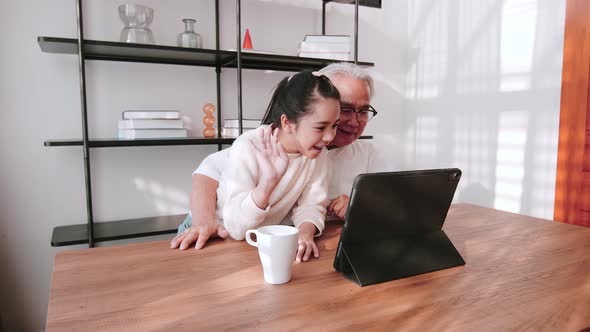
{"x":115,"y":51}
{"x":91,"y":232}
{"x":115,"y":142}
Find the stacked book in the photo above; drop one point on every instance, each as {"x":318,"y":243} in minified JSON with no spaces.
{"x":336,"y":47}
{"x":151,"y":124}
{"x":231,"y":127}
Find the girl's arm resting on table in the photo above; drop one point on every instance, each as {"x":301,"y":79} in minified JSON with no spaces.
{"x":310,"y":213}
{"x":263,"y":163}
{"x":246,"y":205}
{"x":311,"y":205}
{"x":241,"y":213}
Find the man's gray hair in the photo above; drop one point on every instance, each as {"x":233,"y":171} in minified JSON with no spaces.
{"x":350,"y":69}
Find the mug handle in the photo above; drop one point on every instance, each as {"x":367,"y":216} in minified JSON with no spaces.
{"x":249,"y":237}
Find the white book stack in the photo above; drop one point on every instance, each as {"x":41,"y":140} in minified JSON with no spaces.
{"x":231,"y":127}
{"x":335,"y":47}
{"x":151,"y":124}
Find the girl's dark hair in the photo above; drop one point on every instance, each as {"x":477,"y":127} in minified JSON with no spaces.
{"x":294,"y":95}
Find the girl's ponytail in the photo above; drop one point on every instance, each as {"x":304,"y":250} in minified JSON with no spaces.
{"x":268,"y":115}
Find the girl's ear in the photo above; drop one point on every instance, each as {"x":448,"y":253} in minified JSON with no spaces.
{"x":287,"y":125}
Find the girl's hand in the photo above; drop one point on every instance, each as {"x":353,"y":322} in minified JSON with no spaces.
{"x":271,"y":156}
{"x":306,"y":244}
{"x":272,"y":162}
{"x":338,"y":206}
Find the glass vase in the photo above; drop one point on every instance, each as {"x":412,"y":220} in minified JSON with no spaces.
{"x":189,"y":38}
{"x":136,"y":19}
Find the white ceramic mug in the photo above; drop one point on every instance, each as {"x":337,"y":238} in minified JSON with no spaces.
{"x":277,"y":246}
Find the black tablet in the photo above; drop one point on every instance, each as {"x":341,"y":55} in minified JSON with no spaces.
{"x":393,"y":226}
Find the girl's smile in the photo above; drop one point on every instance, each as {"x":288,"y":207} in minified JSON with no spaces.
{"x":313,"y":132}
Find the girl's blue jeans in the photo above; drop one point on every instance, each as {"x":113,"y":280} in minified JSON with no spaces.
{"x":186,"y":224}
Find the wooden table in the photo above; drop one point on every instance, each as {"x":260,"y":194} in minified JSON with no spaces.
{"x":522,"y":273}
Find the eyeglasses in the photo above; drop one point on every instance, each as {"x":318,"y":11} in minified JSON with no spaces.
{"x":363,"y":115}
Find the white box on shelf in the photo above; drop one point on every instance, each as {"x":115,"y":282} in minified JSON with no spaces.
{"x":327,"y":39}
{"x":151,"y":124}
{"x":325,"y":47}
{"x":233,"y":132}
{"x":246,"y":123}
{"x":326,"y":55}
{"x":151,"y":115}
{"x":152,"y":133}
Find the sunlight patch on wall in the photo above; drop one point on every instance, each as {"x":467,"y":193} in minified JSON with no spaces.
{"x":510,"y":156}
{"x":478,"y":42}
{"x":543,"y":175}
{"x":517,"y":44}
{"x":410,"y":149}
{"x":426,"y":139}
{"x":430,"y":38}
{"x":472,"y":138}
{"x":167,"y":200}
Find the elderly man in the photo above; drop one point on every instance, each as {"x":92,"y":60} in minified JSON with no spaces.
{"x":349,"y":157}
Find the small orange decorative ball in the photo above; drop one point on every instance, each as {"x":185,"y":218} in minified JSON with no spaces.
{"x":209,"y":120}
{"x":209,"y":132}
{"x":208,"y":108}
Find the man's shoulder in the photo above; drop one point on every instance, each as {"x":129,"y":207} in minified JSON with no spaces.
{"x":356,"y":149}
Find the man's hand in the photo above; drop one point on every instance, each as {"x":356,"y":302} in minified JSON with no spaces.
{"x":200,"y":234}
{"x":338,"y":206}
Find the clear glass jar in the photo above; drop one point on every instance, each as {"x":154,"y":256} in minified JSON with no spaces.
{"x":137,"y":19}
{"x":189,"y":38}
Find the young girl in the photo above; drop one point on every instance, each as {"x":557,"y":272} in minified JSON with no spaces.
{"x":281,"y":167}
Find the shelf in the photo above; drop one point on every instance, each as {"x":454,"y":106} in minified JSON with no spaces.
{"x":115,"y":51}
{"x":366,"y":3}
{"x":115,"y":142}
{"x":116,"y":230}
{"x":284,"y":62}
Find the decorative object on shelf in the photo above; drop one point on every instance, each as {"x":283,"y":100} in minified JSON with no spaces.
{"x":137,"y":19}
{"x":247,"y":41}
{"x":151,"y":124}
{"x":247,"y":45}
{"x":151,"y":115}
{"x":189,"y":38}
{"x":152,"y":133}
{"x":231,"y":127}
{"x":208,"y":120}
{"x":335,"y":47}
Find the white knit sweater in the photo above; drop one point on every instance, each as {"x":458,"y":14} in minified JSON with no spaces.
{"x":302,"y":190}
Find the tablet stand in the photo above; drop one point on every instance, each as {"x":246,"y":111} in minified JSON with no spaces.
{"x":399,"y":257}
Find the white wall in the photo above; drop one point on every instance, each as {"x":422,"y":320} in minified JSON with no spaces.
{"x":42,"y":188}
{"x":483,"y":94}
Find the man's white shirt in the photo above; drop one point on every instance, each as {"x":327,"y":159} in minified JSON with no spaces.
{"x":345,"y":164}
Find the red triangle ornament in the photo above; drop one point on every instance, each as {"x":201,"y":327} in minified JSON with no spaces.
{"x":247,"y":40}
